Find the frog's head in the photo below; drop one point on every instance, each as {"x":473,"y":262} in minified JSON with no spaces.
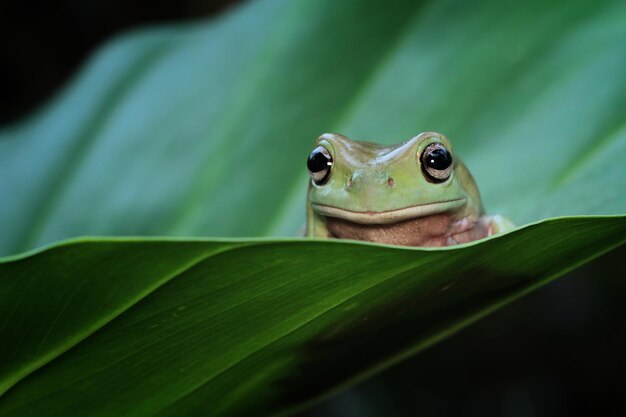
{"x":367,"y":183}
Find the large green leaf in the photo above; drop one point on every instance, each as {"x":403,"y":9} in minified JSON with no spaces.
{"x":179,"y":131}
{"x":202,"y":129}
{"x":153,"y":327}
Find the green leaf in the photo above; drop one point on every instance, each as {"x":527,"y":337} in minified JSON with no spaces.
{"x":202,"y":130}
{"x":130,"y":327}
{"x":180,"y":130}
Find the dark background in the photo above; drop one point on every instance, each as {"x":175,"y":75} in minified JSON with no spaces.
{"x":558,"y":352}
{"x":44,"y":43}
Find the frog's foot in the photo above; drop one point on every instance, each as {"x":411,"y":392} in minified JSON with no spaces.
{"x":498,"y":224}
{"x":466,"y":230}
{"x":469,"y":229}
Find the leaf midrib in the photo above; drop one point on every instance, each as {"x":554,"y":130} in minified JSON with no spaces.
{"x":292,"y":194}
{"x":12,"y":379}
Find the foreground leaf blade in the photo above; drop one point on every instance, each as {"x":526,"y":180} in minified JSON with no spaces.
{"x":251,"y":326}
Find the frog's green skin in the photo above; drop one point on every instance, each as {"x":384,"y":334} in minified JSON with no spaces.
{"x":380,"y":194}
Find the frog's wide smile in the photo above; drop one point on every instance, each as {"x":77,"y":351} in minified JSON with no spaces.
{"x":389,"y":216}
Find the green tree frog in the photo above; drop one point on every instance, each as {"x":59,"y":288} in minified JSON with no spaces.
{"x":417,"y":193}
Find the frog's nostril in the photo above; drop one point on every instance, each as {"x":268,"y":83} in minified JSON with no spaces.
{"x":390,"y":182}
{"x":349,"y":183}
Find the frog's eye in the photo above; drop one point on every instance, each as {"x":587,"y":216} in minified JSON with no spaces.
{"x":436,"y":162}
{"x":319,"y":164}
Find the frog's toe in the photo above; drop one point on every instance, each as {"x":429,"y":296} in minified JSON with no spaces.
{"x":500,"y":224}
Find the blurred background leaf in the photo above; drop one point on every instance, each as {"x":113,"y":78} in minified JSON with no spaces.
{"x":179,"y":130}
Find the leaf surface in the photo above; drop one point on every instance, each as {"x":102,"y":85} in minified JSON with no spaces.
{"x":168,"y":327}
{"x":180,"y":131}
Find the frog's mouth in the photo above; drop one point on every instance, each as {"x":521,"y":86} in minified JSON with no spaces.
{"x":389,"y":216}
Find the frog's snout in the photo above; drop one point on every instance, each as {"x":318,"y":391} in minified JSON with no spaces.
{"x":367,"y":179}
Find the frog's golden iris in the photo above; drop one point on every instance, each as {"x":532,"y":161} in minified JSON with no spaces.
{"x":416,"y":193}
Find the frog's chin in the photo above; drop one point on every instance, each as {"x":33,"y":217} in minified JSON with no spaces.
{"x":389,"y":216}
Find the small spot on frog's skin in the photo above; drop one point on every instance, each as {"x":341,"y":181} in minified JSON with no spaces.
{"x":390,"y":182}
{"x":350,"y":182}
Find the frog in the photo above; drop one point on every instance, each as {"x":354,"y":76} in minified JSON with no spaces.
{"x":416,"y":193}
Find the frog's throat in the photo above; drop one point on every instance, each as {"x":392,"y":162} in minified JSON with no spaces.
{"x":390,"y":216}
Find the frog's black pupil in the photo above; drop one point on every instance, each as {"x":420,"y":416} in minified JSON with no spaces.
{"x":439,"y":159}
{"x":317,"y":161}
